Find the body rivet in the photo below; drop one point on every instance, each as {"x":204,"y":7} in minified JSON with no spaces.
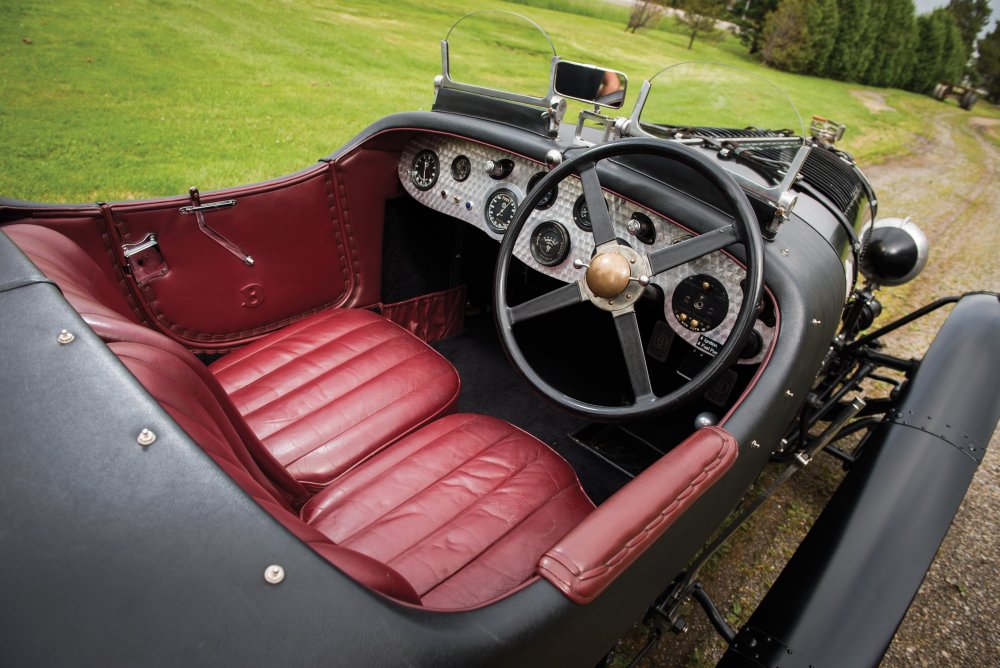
{"x":274,"y":574}
{"x":65,"y":336}
{"x":146,"y":437}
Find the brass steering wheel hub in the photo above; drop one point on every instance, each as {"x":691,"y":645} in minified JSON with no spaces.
{"x":612,"y":278}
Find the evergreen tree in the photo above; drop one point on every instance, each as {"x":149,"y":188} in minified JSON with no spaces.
{"x":786,"y":36}
{"x":930,"y":55}
{"x":939,"y":55}
{"x":901,"y":43}
{"x":988,"y":63}
{"x":822,"y":23}
{"x":848,"y":60}
{"x":956,"y":50}
{"x":971,"y":17}
{"x":749,"y":16}
{"x":870,"y":51}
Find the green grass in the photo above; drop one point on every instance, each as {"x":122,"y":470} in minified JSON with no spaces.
{"x":148,"y":97}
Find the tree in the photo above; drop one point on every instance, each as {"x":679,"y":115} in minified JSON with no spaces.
{"x":897,"y":45}
{"x":800,"y":35}
{"x":823,"y":21}
{"x":971,"y":17}
{"x":988,"y":63}
{"x":644,"y":14}
{"x":849,"y":57}
{"x":749,"y":15}
{"x":930,"y":55}
{"x":871,"y":39}
{"x":699,"y":17}
{"x":939,"y":55}
{"x":785,"y":35}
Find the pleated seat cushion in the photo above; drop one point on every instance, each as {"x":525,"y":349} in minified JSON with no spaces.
{"x":462,"y":509}
{"x":328,"y":392}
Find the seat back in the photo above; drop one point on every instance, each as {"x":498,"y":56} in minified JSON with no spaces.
{"x":102,"y":306}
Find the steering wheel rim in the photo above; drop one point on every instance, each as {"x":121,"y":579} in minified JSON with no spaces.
{"x":742,"y":230}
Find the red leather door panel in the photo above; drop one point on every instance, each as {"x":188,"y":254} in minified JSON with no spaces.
{"x":207,"y":297}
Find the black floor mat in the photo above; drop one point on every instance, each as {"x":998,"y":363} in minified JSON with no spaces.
{"x":490,"y":386}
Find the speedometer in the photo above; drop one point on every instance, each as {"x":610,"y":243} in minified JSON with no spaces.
{"x":500,"y":210}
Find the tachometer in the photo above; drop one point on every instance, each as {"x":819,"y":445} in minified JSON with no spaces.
{"x":500,"y":210}
{"x":424,"y":169}
{"x":548,"y":198}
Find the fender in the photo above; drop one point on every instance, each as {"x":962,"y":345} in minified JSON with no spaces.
{"x":841,"y":597}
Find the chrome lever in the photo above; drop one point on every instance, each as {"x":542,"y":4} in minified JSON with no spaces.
{"x":198,"y":209}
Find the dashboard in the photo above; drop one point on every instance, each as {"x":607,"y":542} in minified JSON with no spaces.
{"x":483,"y":186}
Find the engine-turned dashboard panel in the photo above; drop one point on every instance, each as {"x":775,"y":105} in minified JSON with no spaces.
{"x":483,"y":186}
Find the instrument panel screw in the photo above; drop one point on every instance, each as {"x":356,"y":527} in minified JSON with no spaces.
{"x":146,"y":437}
{"x":65,"y":336}
{"x":274,"y":574}
{"x":817,"y":322}
{"x":788,"y":393}
{"x":754,"y":444}
{"x":785,"y":252}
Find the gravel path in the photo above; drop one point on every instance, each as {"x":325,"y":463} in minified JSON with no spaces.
{"x":950,"y":189}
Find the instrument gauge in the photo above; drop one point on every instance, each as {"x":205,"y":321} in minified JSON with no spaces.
{"x":549,"y":198}
{"x":500,"y":210}
{"x":461,"y":167}
{"x":581,"y":213}
{"x":700,"y":303}
{"x":424,"y":169}
{"x":549,"y":243}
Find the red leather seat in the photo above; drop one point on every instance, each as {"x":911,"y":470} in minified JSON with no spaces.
{"x":462,"y":509}
{"x":452,"y":516}
{"x":321,"y":394}
{"x":326,"y":392}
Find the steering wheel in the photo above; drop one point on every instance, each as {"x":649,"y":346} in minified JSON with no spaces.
{"x":617,"y":274}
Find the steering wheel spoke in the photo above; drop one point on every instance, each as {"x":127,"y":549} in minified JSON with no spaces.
{"x":635,"y":356}
{"x":600,"y":219}
{"x":567,"y":295}
{"x":692,"y":249}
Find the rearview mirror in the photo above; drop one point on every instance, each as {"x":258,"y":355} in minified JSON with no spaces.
{"x":588,"y":83}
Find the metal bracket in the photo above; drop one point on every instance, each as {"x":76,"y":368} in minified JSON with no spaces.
{"x":144,"y":259}
{"x":608,"y":124}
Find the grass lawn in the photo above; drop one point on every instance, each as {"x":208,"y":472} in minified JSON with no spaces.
{"x":142,"y":98}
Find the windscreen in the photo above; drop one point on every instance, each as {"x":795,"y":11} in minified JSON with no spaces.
{"x":500,"y":51}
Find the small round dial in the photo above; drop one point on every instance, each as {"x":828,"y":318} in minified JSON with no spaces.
{"x":549,"y":198}
{"x":700,"y":303}
{"x":461,"y":167}
{"x":500,"y":210}
{"x":549,"y":243}
{"x":581,"y":213}
{"x":424,"y":170}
